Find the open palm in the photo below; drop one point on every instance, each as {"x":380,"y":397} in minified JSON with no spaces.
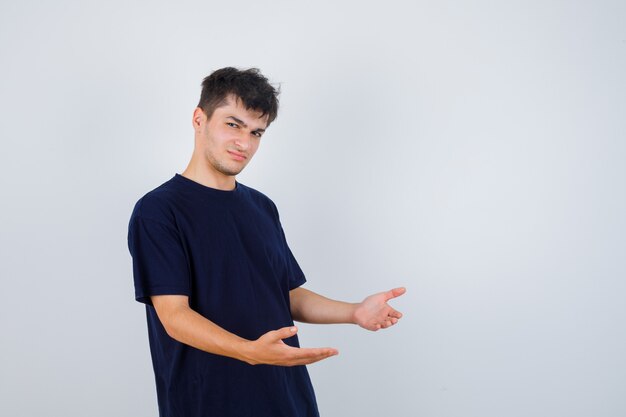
{"x":374,"y":313}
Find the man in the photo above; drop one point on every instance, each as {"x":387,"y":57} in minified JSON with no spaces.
{"x":220,"y":284}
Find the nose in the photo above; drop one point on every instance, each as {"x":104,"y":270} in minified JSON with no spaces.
{"x":242,"y":142}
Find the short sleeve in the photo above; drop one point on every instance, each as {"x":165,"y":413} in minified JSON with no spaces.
{"x":160,"y":265}
{"x":296,"y":276}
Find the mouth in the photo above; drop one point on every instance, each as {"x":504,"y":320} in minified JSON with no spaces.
{"x":237,"y":156}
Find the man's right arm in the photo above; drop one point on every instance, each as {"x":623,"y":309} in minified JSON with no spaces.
{"x":189,"y":327}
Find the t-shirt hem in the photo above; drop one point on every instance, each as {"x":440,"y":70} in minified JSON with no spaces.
{"x":144,"y":297}
{"x":295,"y":284}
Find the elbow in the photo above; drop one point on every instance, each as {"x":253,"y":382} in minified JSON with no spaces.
{"x":167,"y":325}
{"x":172,"y":325}
{"x":170,"y":310}
{"x":170,"y":330}
{"x":298,"y":315}
{"x":170,"y":320}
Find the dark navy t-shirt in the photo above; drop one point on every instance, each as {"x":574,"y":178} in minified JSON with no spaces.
{"x":227,"y":252}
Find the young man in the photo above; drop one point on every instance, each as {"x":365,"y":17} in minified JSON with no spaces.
{"x":220,"y":284}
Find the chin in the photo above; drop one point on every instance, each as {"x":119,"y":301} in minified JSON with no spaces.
{"x":228,"y":170}
{"x":231,"y":172}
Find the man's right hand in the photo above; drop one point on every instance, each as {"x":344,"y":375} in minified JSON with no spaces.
{"x":270,"y":349}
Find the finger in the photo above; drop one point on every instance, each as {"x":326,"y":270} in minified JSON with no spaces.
{"x":313,"y":360}
{"x":305,"y":356}
{"x":395,"y":313}
{"x":284,"y":333}
{"x":308,"y":361}
{"x":396,"y":292}
{"x":303,"y":353}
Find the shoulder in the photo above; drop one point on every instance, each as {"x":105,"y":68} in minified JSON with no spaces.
{"x":258,"y":198}
{"x":157,"y":204}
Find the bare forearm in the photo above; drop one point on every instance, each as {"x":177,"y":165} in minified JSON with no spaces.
{"x":188,"y":327}
{"x":310,"y":307}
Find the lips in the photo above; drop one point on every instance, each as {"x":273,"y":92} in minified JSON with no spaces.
{"x":237,"y":156}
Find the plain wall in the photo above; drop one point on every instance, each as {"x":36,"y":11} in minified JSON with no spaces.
{"x":473,"y":152}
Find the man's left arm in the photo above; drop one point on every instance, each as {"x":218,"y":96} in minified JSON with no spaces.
{"x":373,"y":313}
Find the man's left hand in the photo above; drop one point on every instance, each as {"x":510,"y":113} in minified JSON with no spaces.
{"x":374,"y":313}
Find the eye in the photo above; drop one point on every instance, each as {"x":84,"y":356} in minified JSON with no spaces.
{"x":257,"y":134}
{"x":232,"y":124}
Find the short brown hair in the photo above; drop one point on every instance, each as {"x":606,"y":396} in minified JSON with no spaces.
{"x":249,"y":86}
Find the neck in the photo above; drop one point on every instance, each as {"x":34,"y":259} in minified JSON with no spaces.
{"x":208,"y":176}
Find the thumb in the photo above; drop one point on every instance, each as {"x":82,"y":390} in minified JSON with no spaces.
{"x":284,"y":333}
{"x":396,"y":292}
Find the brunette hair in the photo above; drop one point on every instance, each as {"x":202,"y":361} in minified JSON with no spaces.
{"x":249,"y":86}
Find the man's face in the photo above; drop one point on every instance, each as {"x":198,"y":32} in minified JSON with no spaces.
{"x":230,"y":138}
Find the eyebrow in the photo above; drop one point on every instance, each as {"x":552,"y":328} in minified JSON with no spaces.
{"x":241,"y":122}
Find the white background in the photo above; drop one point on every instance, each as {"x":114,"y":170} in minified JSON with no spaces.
{"x":471,"y":151}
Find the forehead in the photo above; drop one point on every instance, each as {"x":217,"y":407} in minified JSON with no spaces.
{"x":233,"y":106}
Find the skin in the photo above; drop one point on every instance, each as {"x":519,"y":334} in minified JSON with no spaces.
{"x":224,"y":144}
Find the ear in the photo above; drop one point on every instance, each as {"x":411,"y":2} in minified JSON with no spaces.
{"x":198,"y":119}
